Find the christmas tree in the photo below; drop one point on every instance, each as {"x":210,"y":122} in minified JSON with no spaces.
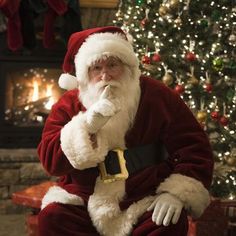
{"x":191,"y":47}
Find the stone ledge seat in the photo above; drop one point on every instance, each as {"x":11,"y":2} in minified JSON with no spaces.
{"x":31,"y":197}
{"x":212,"y":222}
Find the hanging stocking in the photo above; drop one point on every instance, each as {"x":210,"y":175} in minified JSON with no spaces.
{"x":38,"y":6}
{"x":10,"y":9}
{"x":27,"y":24}
{"x":56,"y":8}
{"x":72,"y":20}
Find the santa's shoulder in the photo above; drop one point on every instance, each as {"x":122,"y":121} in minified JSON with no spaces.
{"x":153,"y":88}
{"x":68,"y":100}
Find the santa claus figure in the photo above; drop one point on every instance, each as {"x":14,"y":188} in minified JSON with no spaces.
{"x":131,"y":157}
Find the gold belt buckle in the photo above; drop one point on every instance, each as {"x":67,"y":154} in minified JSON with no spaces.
{"x":124,"y":174}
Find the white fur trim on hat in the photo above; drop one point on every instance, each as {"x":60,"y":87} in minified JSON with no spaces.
{"x":102,"y":45}
{"x":189,"y":190}
{"x":68,"y":81}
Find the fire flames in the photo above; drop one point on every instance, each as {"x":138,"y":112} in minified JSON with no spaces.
{"x":51,"y":101}
{"x":46,"y":93}
{"x":35,"y":96}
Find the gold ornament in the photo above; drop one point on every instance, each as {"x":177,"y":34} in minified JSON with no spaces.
{"x":174,"y":4}
{"x":231,"y":161}
{"x":163,"y":10}
{"x":167,"y":79}
{"x":201,"y":116}
{"x":178,"y":21}
{"x":232,"y":39}
{"x":188,"y":86}
{"x":149,"y":67}
{"x":193,"y":80}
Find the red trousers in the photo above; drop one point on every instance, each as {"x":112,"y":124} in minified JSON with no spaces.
{"x":68,"y":220}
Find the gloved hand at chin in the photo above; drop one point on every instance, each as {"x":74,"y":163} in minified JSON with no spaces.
{"x":167,"y":209}
{"x":100,"y":112}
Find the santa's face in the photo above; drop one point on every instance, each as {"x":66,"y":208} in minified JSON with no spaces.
{"x":105,"y":70}
{"x":111,"y":71}
{"x":124,"y":86}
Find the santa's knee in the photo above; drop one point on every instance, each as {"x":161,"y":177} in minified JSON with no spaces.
{"x":49,"y":215}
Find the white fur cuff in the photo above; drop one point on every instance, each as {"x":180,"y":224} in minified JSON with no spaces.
{"x":189,"y":190}
{"x":105,"y":213}
{"x":59,"y":195}
{"x":78,"y":147}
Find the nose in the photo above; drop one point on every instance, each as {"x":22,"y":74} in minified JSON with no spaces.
{"x":105,"y":74}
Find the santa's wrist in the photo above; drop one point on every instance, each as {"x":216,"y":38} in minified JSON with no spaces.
{"x":91,"y":129}
{"x":94,"y":121}
{"x":83,"y":122}
{"x":82,"y":149}
{"x":93,"y":139}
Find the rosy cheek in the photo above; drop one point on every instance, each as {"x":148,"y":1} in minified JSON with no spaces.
{"x":94,"y":79}
{"x":118,"y":75}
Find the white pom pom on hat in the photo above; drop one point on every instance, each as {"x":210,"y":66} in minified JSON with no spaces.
{"x":86,"y":46}
{"x":68,"y":81}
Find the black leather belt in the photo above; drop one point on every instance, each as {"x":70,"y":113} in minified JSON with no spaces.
{"x":119,"y":164}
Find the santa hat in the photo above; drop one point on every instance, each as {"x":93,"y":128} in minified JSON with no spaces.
{"x":88,"y":46}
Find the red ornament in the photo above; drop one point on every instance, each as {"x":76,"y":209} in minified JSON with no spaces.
{"x":224,"y":120}
{"x":190,"y":56}
{"x":179,"y":89}
{"x":146,"y":60}
{"x":156,"y":57}
{"x":208,"y":87}
{"x":143,"y":22}
{"x":215,"y":115}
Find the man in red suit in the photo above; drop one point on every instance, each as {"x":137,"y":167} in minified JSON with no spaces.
{"x":131,"y":157}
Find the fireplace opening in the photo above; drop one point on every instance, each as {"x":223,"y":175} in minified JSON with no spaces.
{"x":28,"y":89}
{"x":30,"y":94}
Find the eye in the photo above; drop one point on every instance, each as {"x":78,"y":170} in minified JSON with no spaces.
{"x":113,"y":64}
{"x":95,"y":68}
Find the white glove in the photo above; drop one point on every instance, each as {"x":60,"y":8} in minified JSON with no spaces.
{"x":167,"y":208}
{"x":101,"y":111}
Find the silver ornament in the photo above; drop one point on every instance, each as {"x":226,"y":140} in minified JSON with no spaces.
{"x":232,"y":39}
{"x":234,"y":99}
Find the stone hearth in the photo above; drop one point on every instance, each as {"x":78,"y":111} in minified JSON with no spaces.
{"x":19,"y":168}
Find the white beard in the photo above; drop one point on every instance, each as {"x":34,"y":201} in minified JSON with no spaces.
{"x":127,"y":90}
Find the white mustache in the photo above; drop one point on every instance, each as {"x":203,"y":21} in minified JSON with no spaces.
{"x":102,"y":84}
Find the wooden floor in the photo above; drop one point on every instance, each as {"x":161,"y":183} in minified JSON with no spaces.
{"x":12,"y":225}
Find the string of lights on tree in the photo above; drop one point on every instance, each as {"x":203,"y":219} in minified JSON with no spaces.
{"x":190,"y":45}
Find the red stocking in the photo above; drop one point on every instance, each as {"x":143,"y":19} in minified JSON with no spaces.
{"x":10,"y":9}
{"x":56,"y":8}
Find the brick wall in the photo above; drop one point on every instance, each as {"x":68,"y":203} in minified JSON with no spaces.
{"x":19,"y":168}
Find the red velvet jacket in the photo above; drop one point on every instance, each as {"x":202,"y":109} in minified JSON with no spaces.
{"x":162,"y":115}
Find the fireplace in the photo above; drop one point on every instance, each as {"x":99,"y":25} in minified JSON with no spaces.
{"x":30,"y":93}
{"x":28,"y":89}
